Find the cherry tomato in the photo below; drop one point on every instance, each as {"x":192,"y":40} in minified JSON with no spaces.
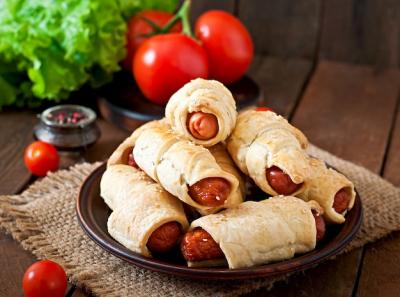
{"x":164,"y":63}
{"x":44,"y":279}
{"x":138,"y":28}
{"x":228,"y":45}
{"x":263,"y":108}
{"x":41,"y":157}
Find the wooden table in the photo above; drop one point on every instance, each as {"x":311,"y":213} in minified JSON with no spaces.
{"x":352,"y":111}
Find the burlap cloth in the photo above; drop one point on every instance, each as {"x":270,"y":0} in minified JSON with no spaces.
{"x":43,"y":219}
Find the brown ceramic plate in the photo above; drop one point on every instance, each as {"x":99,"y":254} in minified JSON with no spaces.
{"x":122,"y":103}
{"x":93,"y":214}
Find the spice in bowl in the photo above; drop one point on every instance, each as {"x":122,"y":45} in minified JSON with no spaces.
{"x":68,"y":127}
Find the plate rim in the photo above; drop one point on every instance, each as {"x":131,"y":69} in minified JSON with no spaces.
{"x":292,"y":265}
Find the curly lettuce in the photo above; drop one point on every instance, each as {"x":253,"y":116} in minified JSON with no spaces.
{"x":49,"y":48}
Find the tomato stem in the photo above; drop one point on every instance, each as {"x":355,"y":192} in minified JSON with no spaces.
{"x":181,"y":15}
{"x":156,"y":29}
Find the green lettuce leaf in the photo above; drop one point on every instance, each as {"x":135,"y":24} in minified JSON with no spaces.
{"x":49,"y":48}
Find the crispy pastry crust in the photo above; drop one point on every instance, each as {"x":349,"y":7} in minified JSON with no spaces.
{"x":177,"y":163}
{"x":139,"y":207}
{"x":120,"y":155}
{"x":261,"y":140}
{"x":255,"y":233}
{"x":322,"y":187}
{"x":208,"y":96}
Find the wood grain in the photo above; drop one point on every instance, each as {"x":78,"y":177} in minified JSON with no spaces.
{"x":334,"y":102}
{"x":198,"y":7}
{"x":392,"y":166}
{"x":381,"y":267}
{"x":361,"y":31}
{"x":15,"y":135}
{"x":281,"y":81}
{"x":15,"y":260}
{"x":111,"y":136}
{"x":348,"y":110}
{"x":282,"y":28}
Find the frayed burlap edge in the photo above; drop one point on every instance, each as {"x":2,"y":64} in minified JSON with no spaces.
{"x":381,"y":202}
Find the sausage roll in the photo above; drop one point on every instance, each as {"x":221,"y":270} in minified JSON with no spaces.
{"x":331,"y":189}
{"x":202,"y":111}
{"x":145,"y":217}
{"x":224,"y":160}
{"x":254,"y":233}
{"x":271,"y":151}
{"x":187,"y":171}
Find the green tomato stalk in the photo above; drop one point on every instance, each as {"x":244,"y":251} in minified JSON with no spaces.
{"x":182,"y":15}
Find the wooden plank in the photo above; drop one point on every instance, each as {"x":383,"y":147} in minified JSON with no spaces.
{"x":16,"y":134}
{"x":198,"y":7}
{"x":361,"y":31}
{"x":381,"y":267}
{"x":343,"y":98}
{"x":283,"y":28}
{"x":348,"y":110}
{"x":16,"y":260}
{"x":281,"y":81}
{"x":392,"y":166}
{"x":111,"y":137}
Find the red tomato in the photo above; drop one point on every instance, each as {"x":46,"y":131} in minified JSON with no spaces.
{"x":263,"y":108}
{"x":44,"y":279}
{"x":41,"y":157}
{"x":138,"y":28}
{"x":164,"y":63}
{"x":228,"y":45}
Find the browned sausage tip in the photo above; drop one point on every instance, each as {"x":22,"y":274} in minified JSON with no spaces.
{"x":280,"y":181}
{"x":210,"y":191}
{"x":164,"y":238}
{"x":203,"y":126}
{"x":198,"y":245}
{"x":341,"y":201}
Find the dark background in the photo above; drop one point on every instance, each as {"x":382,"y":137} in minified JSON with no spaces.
{"x":354,"y":31}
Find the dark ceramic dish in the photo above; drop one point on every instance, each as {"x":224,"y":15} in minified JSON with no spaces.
{"x":93,"y":214}
{"x":122,"y":103}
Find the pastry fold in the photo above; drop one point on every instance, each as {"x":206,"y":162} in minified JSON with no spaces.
{"x":262,"y":139}
{"x":323,"y":186}
{"x":139,"y":206}
{"x":121,"y":154}
{"x":255,"y":233}
{"x":177,"y":163}
{"x":208,"y":96}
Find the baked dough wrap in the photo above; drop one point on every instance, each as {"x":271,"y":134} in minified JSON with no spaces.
{"x":120,"y":155}
{"x":322,"y":187}
{"x":139,"y":207}
{"x":262,"y":139}
{"x":208,"y":96}
{"x":177,"y":163}
{"x":255,"y":233}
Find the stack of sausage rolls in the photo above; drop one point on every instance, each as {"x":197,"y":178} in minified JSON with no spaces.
{"x":196,"y":160}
